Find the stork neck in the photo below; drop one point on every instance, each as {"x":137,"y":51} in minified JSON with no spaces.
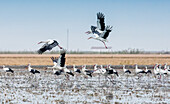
{"x":123,"y":66}
{"x":95,"y":67}
{"x":136,"y":67}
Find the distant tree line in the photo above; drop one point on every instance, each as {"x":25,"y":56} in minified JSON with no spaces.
{"x":126,"y":51}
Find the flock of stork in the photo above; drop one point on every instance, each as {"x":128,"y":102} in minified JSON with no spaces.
{"x":101,"y":32}
{"x":60,"y":68}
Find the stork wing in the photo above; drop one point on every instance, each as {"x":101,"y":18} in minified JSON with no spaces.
{"x":100,"y":21}
{"x":47,"y":46}
{"x":95,"y":31}
{"x":43,"y":49}
{"x":50,"y":46}
{"x":105,"y":34}
{"x":61,"y":59}
{"x":54,"y":59}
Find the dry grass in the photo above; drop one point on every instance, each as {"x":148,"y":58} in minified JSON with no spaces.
{"x":89,"y":59}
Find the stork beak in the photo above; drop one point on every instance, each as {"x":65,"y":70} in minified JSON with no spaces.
{"x":39,"y":43}
{"x":88,"y":32}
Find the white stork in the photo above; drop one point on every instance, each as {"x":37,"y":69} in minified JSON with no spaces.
{"x":156,"y":70}
{"x":59,"y":64}
{"x":162,"y":71}
{"x":101,"y":32}
{"x":76,"y":70}
{"x":100,"y":70}
{"x":33,"y":71}
{"x":168,"y":70}
{"x":7,"y":69}
{"x":126,"y":70}
{"x":86,"y":71}
{"x":49,"y":44}
{"x":112,"y":71}
{"x":137,"y":70}
{"x":147,"y":71}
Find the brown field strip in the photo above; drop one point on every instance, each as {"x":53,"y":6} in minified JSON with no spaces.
{"x":88,"y":59}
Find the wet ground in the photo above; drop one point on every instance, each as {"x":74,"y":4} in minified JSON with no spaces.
{"x":24,"y":88}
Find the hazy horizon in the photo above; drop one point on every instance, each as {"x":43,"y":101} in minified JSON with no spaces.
{"x":136,"y":24}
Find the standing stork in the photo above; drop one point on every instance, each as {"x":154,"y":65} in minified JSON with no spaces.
{"x":33,"y":71}
{"x":162,"y":71}
{"x":137,"y":70}
{"x":156,"y":70}
{"x":126,"y":70}
{"x":49,"y":44}
{"x":7,"y":69}
{"x":113,"y":71}
{"x":86,"y":71}
{"x":76,"y":69}
{"x":168,"y":70}
{"x":101,"y":32}
{"x":147,"y":71}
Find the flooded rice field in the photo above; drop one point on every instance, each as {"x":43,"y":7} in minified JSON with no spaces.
{"x":22,"y":87}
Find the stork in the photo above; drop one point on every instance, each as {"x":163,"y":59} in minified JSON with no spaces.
{"x":168,"y":70}
{"x":137,"y":70}
{"x":101,"y":32}
{"x":76,"y":70}
{"x":126,"y":70}
{"x":112,"y":71}
{"x":156,"y":70}
{"x":33,"y":71}
{"x":59,"y":64}
{"x":7,"y":69}
{"x":49,"y":44}
{"x":147,"y":71}
{"x":86,"y":71}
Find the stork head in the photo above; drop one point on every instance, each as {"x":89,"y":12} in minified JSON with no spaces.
{"x":74,"y":66}
{"x":28,"y":65}
{"x":95,"y":67}
{"x":123,"y":66}
{"x":3,"y":66}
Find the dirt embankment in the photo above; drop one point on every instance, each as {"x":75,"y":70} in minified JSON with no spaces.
{"x":88,"y":59}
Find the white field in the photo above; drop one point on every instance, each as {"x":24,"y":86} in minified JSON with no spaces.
{"x":25,"y":88}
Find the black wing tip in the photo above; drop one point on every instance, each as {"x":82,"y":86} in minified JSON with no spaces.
{"x":37,"y":71}
{"x":109,"y":28}
{"x":100,"y":15}
{"x":39,"y":52}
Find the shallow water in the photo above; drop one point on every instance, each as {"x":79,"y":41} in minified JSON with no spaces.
{"x":23,"y":87}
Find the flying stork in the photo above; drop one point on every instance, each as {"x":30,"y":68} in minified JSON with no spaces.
{"x":49,"y":44}
{"x":101,"y":32}
{"x":59,"y":64}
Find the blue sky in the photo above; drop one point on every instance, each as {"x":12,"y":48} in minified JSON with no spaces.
{"x":143,"y":24}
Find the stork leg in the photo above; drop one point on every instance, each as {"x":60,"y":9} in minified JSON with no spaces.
{"x":90,"y":38}
{"x":104,"y":44}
